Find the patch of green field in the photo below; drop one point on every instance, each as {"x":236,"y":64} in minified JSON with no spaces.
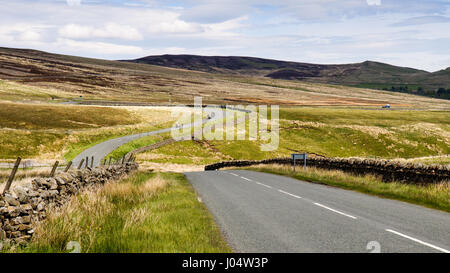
{"x":13,"y":91}
{"x":27,"y":144}
{"x":365,"y":133}
{"x":57,"y":144}
{"x":432,"y":196}
{"x":145,"y":213}
{"x":442,"y":160}
{"x":377,"y":118}
{"x":348,"y":142}
{"x":84,"y":140}
{"x":183,"y":152}
{"x":35,"y":130}
{"x":35,"y":116}
{"x":50,"y":131}
{"x":136,"y":144}
{"x":333,"y":132}
{"x":245,"y":149}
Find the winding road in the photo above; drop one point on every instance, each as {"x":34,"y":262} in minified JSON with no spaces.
{"x":260,"y":212}
{"x":101,"y":150}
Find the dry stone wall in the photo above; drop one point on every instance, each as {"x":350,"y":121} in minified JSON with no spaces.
{"x":23,"y":206}
{"x":389,"y":170}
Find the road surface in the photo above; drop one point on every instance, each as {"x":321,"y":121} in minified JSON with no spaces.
{"x":260,"y":212}
{"x":101,"y":150}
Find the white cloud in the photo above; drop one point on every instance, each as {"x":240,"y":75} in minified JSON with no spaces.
{"x":75,"y":31}
{"x":98,"y":48}
{"x":374,"y":2}
{"x":29,"y":35}
{"x":175,"y":26}
{"x":109,"y":30}
{"x":73,"y":2}
{"x":317,"y":31}
{"x":22,"y":32}
{"x":215,"y":12}
{"x":423,"y":20}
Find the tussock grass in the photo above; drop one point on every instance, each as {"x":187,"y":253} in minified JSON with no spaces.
{"x":143,"y":213}
{"x":183,"y":152}
{"x":155,"y":84}
{"x":332,"y":132}
{"x":442,"y":160}
{"x":23,"y":176}
{"x":365,"y":133}
{"x":435,"y":196}
{"x":63,"y":131}
{"x":25,"y":173}
{"x":136,"y":144}
{"x":51,"y":116}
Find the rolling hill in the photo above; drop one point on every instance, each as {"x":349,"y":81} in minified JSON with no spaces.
{"x":32,"y":75}
{"x":366,"y":74}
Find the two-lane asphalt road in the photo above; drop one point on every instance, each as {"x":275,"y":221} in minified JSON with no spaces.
{"x":259,"y":212}
{"x":101,"y":150}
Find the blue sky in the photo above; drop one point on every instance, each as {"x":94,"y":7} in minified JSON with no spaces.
{"x":406,"y":33}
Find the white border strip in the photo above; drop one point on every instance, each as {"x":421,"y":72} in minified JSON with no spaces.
{"x":345,"y":214}
{"x":293,"y":195}
{"x":418,"y":241}
{"x":267,"y":186}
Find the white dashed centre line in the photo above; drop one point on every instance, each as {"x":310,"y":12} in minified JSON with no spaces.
{"x":246,"y":178}
{"x":293,"y":195}
{"x":267,"y":186}
{"x":418,"y":241}
{"x":340,"y":212}
{"x":234,"y":174}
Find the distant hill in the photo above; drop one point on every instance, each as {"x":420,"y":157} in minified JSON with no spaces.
{"x":367,"y":74}
{"x":36,"y":76}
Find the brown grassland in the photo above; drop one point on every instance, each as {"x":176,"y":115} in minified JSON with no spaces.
{"x":68,"y":77}
{"x":434,"y":195}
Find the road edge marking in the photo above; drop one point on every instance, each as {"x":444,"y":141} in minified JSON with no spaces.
{"x":264,"y":185}
{"x":418,"y":241}
{"x":293,"y":195}
{"x":339,"y":212}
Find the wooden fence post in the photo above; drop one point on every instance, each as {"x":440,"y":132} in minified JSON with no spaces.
{"x":11,"y":177}
{"x":52,"y":173}
{"x":109,"y":164}
{"x":81,"y":164}
{"x":123,"y":160}
{"x":87,"y":162}
{"x":92,"y":162}
{"x":68,"y":166}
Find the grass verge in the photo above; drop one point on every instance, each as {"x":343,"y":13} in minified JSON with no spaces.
{"x":142,"y":213}
{"x":136,"y":144}
{"x":434,"y":196}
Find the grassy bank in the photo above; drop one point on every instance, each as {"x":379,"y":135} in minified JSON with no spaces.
{"x":432,"y":196}
{"x":365,"y":133}
{"x":136,"y":144}
{"x":417,"y":136}
{"x":143,"y":213}
{"x":50,"y":131}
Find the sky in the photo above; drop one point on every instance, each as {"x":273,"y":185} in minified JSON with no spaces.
{"x":413,"y":33}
